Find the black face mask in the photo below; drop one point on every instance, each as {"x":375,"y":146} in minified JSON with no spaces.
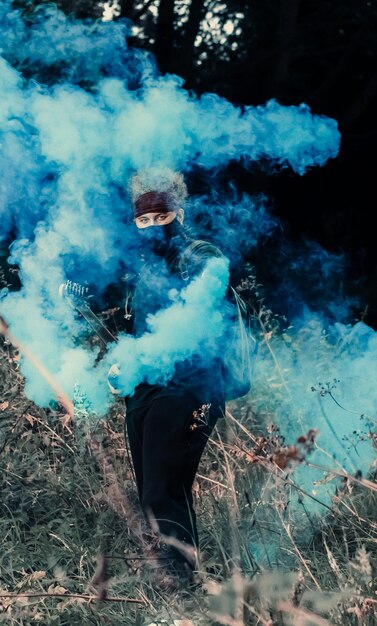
{"x":157,"y":239}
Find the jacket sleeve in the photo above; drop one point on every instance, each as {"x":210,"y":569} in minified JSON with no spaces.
{"x":194,"y":260}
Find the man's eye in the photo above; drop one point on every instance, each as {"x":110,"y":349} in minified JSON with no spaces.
{"x":161,"y":218}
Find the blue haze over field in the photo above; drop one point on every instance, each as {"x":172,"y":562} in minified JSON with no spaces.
{"x":66,"y":157}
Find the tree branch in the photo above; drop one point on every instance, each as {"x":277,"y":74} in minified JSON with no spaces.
{"x":286,"y":32}
{"x":128,"y":10}
{"x":164,"y":45}
{"x":190,"y":33}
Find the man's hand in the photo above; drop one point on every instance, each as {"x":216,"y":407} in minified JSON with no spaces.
{"x":113,"y":378}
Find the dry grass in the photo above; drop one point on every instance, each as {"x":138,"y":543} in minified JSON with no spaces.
{"x":76,"y":551}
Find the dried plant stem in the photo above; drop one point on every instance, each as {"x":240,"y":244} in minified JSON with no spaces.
{"x":275,"y":360}
{"x":77,"y":596}
{"x":229,"y":415}
{"x":301,"y":617}
{"x":360,"y":481}
{"x":370,"y":418}
{"x":216,"y":482}
{"x":302,"y":559}
{"x":53,"y":433}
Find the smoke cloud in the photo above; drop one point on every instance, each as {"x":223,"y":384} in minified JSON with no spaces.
{"x":80,"y":112}
{"x":191,"y":324}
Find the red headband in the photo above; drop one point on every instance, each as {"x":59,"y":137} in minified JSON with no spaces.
{"x":153,"y":202}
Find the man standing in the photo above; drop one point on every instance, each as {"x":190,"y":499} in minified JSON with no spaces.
{"x":168,"y":425}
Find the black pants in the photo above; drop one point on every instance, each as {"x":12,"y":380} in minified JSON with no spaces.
{"x":166,"y":455}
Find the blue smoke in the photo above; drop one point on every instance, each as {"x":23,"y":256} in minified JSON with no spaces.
{"x":80,"y":112}
{"x":319,"y":377}
{"x":51,"y":47}
{"x":190,"y":325}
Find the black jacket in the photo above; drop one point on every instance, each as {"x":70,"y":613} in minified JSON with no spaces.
{"x":159,"y":275}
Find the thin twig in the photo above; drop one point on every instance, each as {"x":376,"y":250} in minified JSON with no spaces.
{"x":39,"y":421}
{"x":216,"y":482}
{"x":297,"y":551}
{"x":90,"y":598}
{"x":270,"y":466}
{"x":360,"y":481}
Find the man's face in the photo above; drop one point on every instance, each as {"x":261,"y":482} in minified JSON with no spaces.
{"x":154,"y":219}
{"x":158,"y":219}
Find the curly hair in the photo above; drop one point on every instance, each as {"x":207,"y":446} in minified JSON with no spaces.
{"x":161,"y":179}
